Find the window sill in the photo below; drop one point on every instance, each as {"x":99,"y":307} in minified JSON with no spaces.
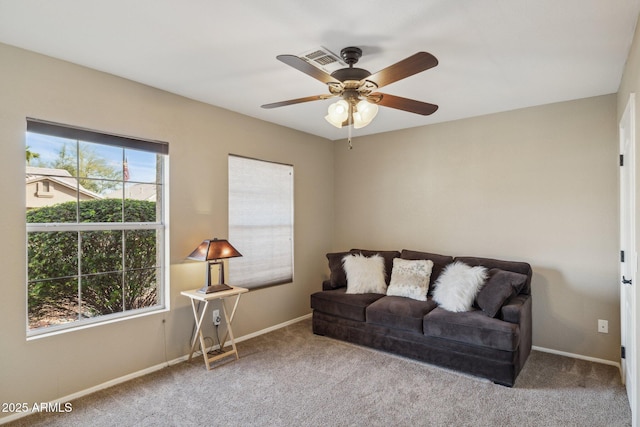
{"x":59,"y":330}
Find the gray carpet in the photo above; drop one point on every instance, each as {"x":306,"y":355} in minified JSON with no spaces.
{"x":291,"y":377}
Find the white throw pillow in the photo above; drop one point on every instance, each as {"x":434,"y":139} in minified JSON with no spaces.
{"x":364,"y":274}
{"x":458,"y":285}
{"x":410,"y":278}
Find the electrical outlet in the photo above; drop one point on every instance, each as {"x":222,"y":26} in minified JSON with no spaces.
{"x":603,"y":326}
{"x":216,"y":317}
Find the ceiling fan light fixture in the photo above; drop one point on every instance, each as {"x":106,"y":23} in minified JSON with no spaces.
{"x":365,"y":113}
{"x":338,"y":113}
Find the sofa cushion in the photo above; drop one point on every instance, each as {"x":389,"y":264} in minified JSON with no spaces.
{"x":365,"y":274}
{"x":515,"y":266}
{"x":399,"y":312}
{"x":458,"y":285}
{"x":388,"y":259}
{"x":500,"y":287}
{"x":439,"y":261}
{"x":337,"y":277}
{"x":410,"y":278}
{"x":472,"y":327}
{"x":338,"y":303}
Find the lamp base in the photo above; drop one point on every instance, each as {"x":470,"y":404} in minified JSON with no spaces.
{"x":214,"y":288}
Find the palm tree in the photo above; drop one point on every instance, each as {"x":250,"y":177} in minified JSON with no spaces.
{"x":31,"y":155}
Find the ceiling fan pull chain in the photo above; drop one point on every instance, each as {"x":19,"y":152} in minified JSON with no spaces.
{"x":349,"y":125}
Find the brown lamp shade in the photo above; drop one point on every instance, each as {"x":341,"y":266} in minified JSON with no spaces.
{"x":214,"y":249}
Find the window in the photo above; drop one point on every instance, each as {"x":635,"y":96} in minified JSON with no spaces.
{"x":260,"y":222}
{"x":96,"y":243}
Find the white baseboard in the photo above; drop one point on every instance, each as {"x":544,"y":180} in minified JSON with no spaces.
{"x":270,"y":329}
{"x":577,"y":356}
{"x":90,"y":390}
{"x":244,"y":338}
{"x":149,"y":370}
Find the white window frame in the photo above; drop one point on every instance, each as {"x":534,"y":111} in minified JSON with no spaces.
{"x":160,"y":225}
{"x":277,"y":259}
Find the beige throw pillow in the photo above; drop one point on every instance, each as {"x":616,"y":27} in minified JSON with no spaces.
{"x":410,"y":278}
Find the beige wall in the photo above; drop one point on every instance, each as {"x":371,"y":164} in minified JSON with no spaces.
{"x":537,"y":185}
{"x":200,"y":138}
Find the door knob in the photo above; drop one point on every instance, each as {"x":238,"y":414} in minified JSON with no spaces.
{"x":626,"y":281}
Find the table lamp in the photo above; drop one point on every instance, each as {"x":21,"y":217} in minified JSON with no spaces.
{"x":213,"y":251}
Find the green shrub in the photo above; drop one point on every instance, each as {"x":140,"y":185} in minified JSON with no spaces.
{"x":117,"y":269}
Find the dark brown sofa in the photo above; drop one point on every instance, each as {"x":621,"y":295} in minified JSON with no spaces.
{"x":495,"y":348}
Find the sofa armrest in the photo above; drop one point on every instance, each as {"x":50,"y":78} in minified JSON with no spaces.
{"x":513,"y":310}
{"x":518,"y":310}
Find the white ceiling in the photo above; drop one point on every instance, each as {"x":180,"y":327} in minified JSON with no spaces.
{"x":495,"y":55}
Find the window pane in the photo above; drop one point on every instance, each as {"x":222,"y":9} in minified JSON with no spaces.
{"x":141,"y":288}
{"x":116,"y":192}
{"x":142,"y":166}
{"x":52,"y":302}
{"x":101,"y":251}
{"x":61,"y":213}
{"x":52,"y":254}
{"x":140,"y":249}
{"x":101,"y":294}
{"x":92,"y":189}
{"x":51,"y":151}
{"x":139,"y":211}
{"x":98,"y":161}
{"x":141,"y":191}
{"x":101,"y":210}
{"x":50,"y":179}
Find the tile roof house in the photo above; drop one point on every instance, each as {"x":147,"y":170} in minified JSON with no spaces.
{"x":50,"y":186}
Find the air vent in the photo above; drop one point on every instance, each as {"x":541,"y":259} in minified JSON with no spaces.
{"x":324,"y":59}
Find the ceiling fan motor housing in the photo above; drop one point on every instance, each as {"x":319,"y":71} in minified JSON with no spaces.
{"x":345,"y":74}
{"x":351,"y":55}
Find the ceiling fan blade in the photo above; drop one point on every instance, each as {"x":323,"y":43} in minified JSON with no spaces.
{"x":405,"y":104}
{"x":297,"y":101}
{"x":305,"y":67}
{"x":414,"y":64}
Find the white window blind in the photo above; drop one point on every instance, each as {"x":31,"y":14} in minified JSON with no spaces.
{"x":260,"y":222}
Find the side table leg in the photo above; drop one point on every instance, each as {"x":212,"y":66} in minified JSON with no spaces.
{"x":229,"y":319}
{"x":229,"y":332}
{"x":194,"y":333}
{"x":198,"y":337}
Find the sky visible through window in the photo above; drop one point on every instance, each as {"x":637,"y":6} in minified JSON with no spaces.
{"x":141,"y":164}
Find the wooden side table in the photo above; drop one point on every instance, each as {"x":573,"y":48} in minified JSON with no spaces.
{"x":197,"y":297}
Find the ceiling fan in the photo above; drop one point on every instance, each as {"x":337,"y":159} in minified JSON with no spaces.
{"x":357,"y":87}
